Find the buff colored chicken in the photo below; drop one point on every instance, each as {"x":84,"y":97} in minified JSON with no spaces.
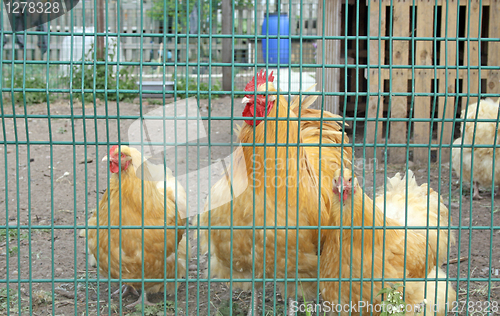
{"x":279,"y":185}
{"x":480,"y":133}
{"x":374,"y":253}
{"x":135,"y":172}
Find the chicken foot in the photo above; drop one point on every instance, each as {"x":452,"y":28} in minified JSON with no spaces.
{"x":127,"y":289}
{"x":476,"y":195}
{"x":143,"y":299}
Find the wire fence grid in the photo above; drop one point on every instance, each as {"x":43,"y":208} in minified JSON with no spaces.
{"x":416,"y":85}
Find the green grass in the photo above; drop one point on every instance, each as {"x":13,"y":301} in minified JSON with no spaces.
{"x":12,"y":234}
{"x":192,"y":85}
{"x":225,"y":307}
{"x":35,"y":77}
{"x":12,"y":294}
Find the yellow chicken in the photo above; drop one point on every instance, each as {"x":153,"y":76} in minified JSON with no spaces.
{"x":158,"y":244}
{"x":480,"y":133}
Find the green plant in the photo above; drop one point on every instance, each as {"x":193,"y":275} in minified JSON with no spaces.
{"x":12,"y":295}
{"x":36,"y":80}
{"x":13,"y":234}
{"x":226,"y":306}
{"x":83,"y":76}
{"x":191,"y":85}
{"x":394,"y":303}
{"x":154,"y":310}
{"x":13,"y":250}
{"x":178,"y":18}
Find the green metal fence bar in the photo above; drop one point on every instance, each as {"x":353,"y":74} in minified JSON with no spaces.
{"x":457,"y":59}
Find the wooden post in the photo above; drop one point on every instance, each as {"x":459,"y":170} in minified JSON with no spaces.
{"x":449,"y":50}
{"x":423,"y":78}
{"x":100,"y":29}
{"x":376,"y":102}
{"x":471,"y":54}
{"x":493,"y":81}
{"x":227,"y":56}
{"x":398,"y":104}
{"x":332,"y":25}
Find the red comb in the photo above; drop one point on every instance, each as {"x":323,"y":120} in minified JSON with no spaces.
{"x":261,"y":79}
{"x":112,"y":150}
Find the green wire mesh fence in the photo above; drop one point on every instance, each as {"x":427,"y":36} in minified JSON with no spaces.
{"x":233,"y":199}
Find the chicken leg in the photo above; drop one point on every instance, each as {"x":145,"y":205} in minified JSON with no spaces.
{"x":143,"y":299}
{"x":476,"y":195}
{"x":127,"y":289}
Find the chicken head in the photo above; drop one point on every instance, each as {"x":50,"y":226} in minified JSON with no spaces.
{"x":114,"y":166}
{"x":256,"y":106}
{"x":344,"y":184}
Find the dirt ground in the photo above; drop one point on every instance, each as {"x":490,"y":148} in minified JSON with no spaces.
{"x":43,"y":255}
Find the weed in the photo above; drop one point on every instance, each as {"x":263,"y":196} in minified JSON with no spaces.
{"x":480,"y":290}
{"x":42,"y":297}
{"x":61,"y":130}
{"x":36,"y":80}
{"x":394,"y":303}
{"x":225,"y":307}
{"x":154,"y":310}
{"x":154,"y":101}
{"x":184,"y":85}
{"x":13,"y":234}
{"x":13,"y":250}
{"x":12,"y":295}
{"x":83,"y":77}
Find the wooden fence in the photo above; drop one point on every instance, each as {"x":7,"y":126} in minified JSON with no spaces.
{"x":471,"y":22}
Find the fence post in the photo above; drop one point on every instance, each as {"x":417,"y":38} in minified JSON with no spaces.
{"x":100,"y":29}
{"x":227,"y":25}
{"x":332,"y":25}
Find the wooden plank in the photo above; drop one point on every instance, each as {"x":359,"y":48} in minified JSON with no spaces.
{"x":331,"y":81}
{"x":227,"y":25}
{"x":448,"y":59}
{"x":440,"y":73}
{"x":398,"y":105}
{"x":438,"y":2}
{"x":471,"y":53}
{"x":376,"y":102}
{"x":423,"y":80}
{"x":493,"y":79}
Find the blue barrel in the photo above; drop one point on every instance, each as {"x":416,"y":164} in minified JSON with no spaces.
{"x":271,"y":54}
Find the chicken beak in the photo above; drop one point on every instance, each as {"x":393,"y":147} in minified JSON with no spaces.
{"x":245,"y":100}
{"x":105,"y":158}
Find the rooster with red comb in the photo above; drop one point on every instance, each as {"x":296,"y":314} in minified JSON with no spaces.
{"x":280,"y":183}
